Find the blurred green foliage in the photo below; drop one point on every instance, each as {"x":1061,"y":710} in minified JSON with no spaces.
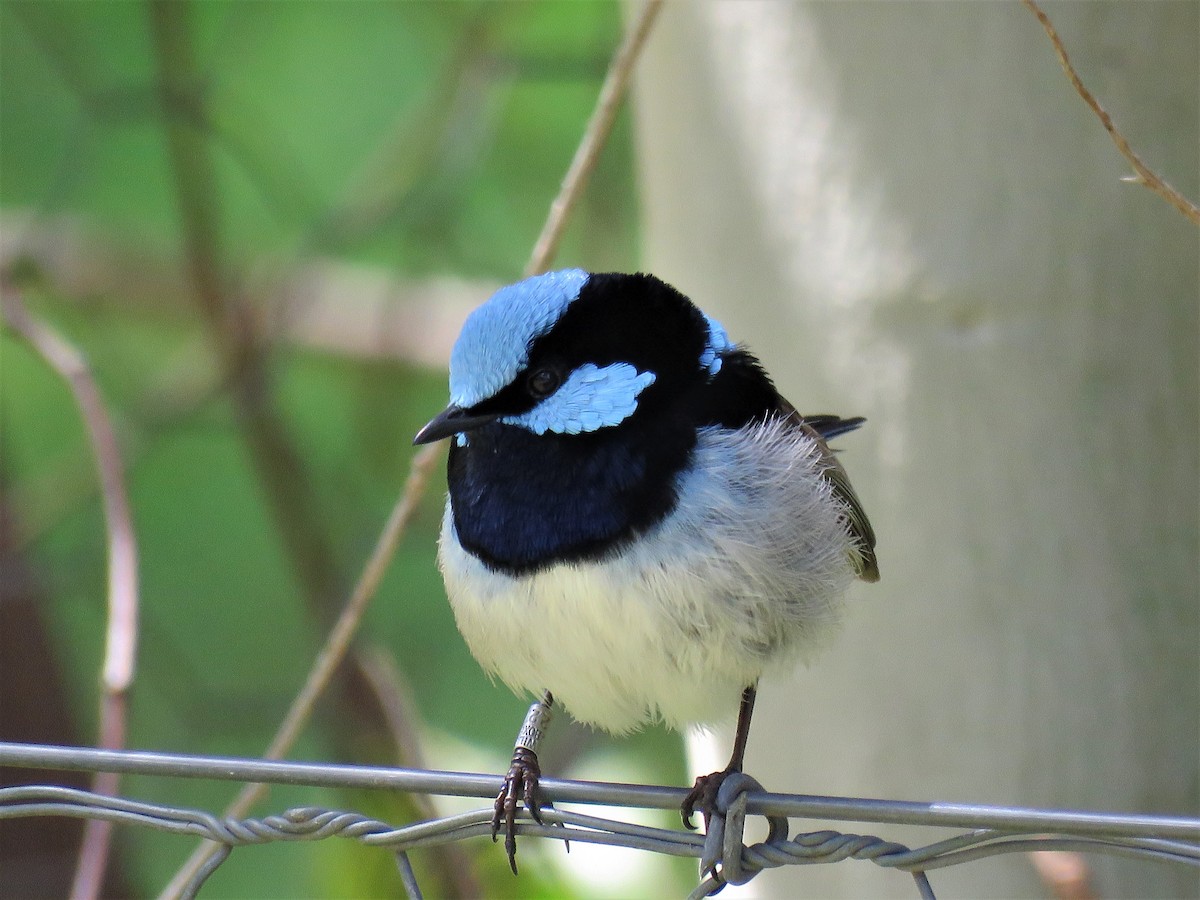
{"x":416,"y":140}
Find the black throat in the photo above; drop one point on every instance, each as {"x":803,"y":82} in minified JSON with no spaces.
{"x":523,"y":502}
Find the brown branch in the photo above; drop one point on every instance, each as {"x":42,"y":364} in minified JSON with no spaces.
{"x":236,"y":335}
{"x":339,"y":640}
{"x":1145,"y":175}
{"x":234,"y":331}
{"x":453,"y":865}
{"x":120,"y":649}
{"x":595,"y":136}
{"x":331,"y":655}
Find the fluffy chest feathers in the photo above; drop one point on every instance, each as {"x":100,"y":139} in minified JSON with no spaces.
{"x":674,"y":621}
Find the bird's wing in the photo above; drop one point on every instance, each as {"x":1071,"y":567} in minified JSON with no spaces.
{"x":822,"y":428}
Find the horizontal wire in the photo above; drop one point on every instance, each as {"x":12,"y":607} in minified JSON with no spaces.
{"x":992,"y":829}
{"x":461,"y":784}
{"x":315,"y":823}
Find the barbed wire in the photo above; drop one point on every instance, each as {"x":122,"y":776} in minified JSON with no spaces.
{"x":724,"y":858}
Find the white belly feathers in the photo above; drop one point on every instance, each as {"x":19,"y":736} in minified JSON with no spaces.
{"x":744,"y":575}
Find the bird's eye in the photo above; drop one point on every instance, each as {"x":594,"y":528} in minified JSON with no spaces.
{"x":542,"y":383}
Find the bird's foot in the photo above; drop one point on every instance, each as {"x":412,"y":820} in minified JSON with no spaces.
{"x":703,"y":797}
{"x":520,"y":786}
{"x":521,"y":782}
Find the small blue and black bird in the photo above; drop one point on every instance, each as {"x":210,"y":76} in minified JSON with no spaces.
{"x":638,"y":523}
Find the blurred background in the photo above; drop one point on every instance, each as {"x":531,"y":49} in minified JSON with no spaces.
{"x":263,"y":223}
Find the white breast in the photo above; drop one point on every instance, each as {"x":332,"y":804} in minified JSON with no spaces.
{"x":743,"y":576}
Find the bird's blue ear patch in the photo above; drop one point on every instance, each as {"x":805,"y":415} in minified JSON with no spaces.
{"x":593,"y":397}
{"x":717,"y":344}
{"x":494,"y":343}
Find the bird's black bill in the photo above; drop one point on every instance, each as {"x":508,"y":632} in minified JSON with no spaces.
{"x":452,"y":420}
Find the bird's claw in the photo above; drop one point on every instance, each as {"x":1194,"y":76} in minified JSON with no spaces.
{"x":702,"y":798}
{"x":520,"y":786}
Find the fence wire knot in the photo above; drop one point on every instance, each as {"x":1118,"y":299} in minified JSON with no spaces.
{"x":726,"y":858}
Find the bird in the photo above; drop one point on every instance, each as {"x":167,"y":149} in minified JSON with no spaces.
{"x":637,"y":524}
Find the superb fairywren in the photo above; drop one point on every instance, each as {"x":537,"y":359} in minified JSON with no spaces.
{"x":637,"y":520}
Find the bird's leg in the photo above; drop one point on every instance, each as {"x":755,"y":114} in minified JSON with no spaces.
{"x":703,"y":795}
{"x":521,"y":782}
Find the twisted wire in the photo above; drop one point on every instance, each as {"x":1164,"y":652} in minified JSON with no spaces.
{"x":738,"y":867}
{"x":724,"y":858}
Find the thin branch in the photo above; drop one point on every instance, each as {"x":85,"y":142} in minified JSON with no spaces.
{"x":120,"y":645}
{"x":1145,"y":175}
{"x":237,"y":336}
{"x":595,"y":136}
{"x":340,"y":637}
{"x":338,"y":642}
{"x":234,"y":331}
{"x":330,"y":657}
{"x":390,"y":683}
{"x":451,"y":862}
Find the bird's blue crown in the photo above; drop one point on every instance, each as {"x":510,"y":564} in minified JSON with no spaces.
{"x":494,"y":348}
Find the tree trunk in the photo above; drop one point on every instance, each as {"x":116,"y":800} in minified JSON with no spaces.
{"x":909,"y":214}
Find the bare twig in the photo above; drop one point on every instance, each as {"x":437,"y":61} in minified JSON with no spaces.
{"x":392,"y":685}
{"x":120,"y":648}
{"x":599,"y":127}
{"x":1145,"y":175}
{"x":338,"y":642}
{"x":237,"y":335}
{"x":234,"y":330}
{"x":453,"y":864}
{"x":331,"y":655}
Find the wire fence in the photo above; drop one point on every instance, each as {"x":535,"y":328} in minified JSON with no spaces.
{"x":723,"y":855}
